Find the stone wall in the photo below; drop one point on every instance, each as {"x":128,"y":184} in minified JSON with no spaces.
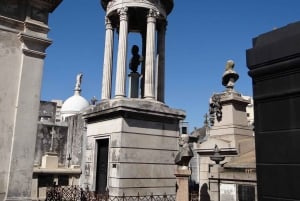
{"x":76,"y":138}
{"x":44,"y":141}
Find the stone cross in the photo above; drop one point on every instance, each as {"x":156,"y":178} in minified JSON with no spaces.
{"x":53,"y":133}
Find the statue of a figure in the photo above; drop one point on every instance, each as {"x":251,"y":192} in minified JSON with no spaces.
{"x":230,"y":76}
{"x":185,"y":153}
{"x":229,"y":65}
{"x":94,"y":100}
{"x":135,"y":60}
{"x":78,"y":81}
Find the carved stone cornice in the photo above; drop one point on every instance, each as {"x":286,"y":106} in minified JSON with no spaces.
{"x":36,"y":27}
{"x":13,"y":24}
{"x":166,"y":5}
{"x":34,"y":46}
{"x":113,"y":5}
{"x":49,"y":5}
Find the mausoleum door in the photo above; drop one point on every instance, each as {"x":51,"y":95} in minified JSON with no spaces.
{"x":102,"y":164}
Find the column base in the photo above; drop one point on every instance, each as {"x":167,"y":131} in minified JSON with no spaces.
{"x":119,"y":96}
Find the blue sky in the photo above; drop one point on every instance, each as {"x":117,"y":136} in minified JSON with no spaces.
{"x":201,"y":36}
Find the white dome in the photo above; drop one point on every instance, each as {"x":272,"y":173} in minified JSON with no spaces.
{"x":74,"y":105}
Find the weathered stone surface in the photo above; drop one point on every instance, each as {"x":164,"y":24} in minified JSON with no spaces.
{"x":138,"y":108}
{"x":182,"y":178}
{"x":22,"y":50}
{"x":143,"y":144}
{"x":44,"y":142}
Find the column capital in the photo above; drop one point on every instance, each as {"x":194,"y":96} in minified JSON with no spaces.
{"x":108,"y":24}
{"x":123,"y":13}
{"x":152,"y":15}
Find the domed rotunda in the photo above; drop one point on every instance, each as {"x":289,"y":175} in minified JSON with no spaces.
{"x":76,"y":103}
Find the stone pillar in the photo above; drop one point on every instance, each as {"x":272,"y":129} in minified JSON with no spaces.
{"x":182,"y":179}
{"x":25,"y":120}
{"x":107,"y":64}
{"x":24,"y":40}
{"x":21,"y":81}
{"x":149,"y":92}
{"x":122,"y":52}
{"x":134,"y":79}
{"x":161,"y":62}
{"x":215,"y":182}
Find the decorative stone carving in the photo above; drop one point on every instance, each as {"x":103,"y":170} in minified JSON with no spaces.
{"x":230,"y":76}
{"x":185,"y":153}
{"x":215,"y":109}
{"x":108,"y":23}
{"x":217,"y":157}
{"x":123,"y":13}
{"x":153,"y":13}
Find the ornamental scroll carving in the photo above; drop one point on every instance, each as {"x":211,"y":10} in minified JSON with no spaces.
{"x":123,"y":13}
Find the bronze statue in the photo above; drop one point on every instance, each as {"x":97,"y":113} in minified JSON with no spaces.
{"x":135,"y":60}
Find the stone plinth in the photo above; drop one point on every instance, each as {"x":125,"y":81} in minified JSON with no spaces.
{"x":134,"y":80}
{"x":233,"y":126}
{"x":142,"y":145}
{"x":50,"y":160}
{"x":182,"y":179}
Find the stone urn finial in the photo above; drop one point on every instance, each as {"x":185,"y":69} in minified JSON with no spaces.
{"x":217,"y":157}
{"x":230,"y":76}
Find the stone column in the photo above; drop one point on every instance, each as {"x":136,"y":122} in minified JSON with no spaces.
{"x":149,"y":92}
{"x":143,"y":34}
{"x":215,"y":182}
{"x":122,"y":52}
{"x":161,"y":62}
{"x":182,"y":178}
{"x":107,"y":64}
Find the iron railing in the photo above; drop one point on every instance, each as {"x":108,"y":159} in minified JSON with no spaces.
{"x":75,"y":193}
